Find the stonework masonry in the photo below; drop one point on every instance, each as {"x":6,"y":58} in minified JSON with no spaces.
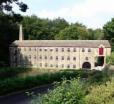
{"x":59,"y":54}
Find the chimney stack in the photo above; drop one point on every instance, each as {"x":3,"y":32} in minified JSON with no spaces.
{"x":21,"y":38}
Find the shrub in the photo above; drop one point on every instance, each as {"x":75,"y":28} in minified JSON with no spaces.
{"x":67,"y":92}
{"x":101,"y":94}
{"x":17,"y":83}
{"x":11,"y":72}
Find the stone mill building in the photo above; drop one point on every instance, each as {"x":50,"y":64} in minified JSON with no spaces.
{"x":59,"y":54}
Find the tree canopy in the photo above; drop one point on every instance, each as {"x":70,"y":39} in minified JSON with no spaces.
{"x":74,"y":31}
{"x":6,"y":5}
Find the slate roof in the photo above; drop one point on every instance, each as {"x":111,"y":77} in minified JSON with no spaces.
{"x":61,"y":43}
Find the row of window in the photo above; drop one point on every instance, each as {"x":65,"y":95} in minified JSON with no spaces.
{"x":56,"y":66}
{"x":56,"y":49}
{"x":56,"y":58}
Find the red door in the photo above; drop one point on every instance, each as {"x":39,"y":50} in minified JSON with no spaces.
{"x":101,"y":51}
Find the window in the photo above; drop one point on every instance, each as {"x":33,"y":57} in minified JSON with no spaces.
{"x":74,"y":50}
{"x":45,"y":50}
{"x":62,"y":58}
{"x":29,"y":56}
{"x":29,"y":49}
{"x":51,"y":65}
{"x":62,"y":49}
{"x":51,"y":57}
{"x":68,"y":49}
{"x":74,"y":66}
{"x":51,"y":50}
{"x":86,"y":58}
{"x":45,"y":57}
{"x":56,"y":49}
{"x":34,"y":56}
{"x":35,"y":49}
{"x":24,"y":49}
{"x":56,"y":66}
{"x":40,"y":57}
{"x":68,"y":66}
{"x":83,"y":50}
{"x":40,"y":64}
{"x":68,"y":58}
{"x":74,"y":58}
{"x":89,"y":50}
{"x":46,"y":64}
{"x":56,"y":57}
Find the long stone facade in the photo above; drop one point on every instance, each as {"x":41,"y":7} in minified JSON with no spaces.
{"x":59,"y":54}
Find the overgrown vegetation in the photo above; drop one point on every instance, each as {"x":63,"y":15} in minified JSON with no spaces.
{"x":12,"y":84}
{"x":67,"y":92}
{"x":78,"y":91}
{"x":11,"y":72}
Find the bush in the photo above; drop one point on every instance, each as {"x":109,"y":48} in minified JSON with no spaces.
{"x":17,"y":83}
{"x":67,"y":92}
{"x":11,"y":72}
{"x":101,"y":94}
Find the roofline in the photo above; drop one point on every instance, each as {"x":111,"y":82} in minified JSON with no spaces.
{"x":58,"y":46}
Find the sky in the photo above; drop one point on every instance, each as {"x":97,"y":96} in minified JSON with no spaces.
{"x":92,"y":13}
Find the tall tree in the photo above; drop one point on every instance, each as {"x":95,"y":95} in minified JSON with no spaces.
{"x":37,"y":28}
{"x":96,"y":34}
{"x":109,"y":30}
{"x":8,"y":27}
{"x":6,"y":5}
{"x":8,"y":33}
{"x":74,"y":31}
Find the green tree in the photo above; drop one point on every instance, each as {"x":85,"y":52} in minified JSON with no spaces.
{"x":8,"y":33}
{"x":96,"y":34}
{"x":109,"y":32}
{"x":57,"y":25}
{"x":109,"y":29}
{"x":6,"y":5}
{"x":74,"y":31}
{"x":37,"y":28}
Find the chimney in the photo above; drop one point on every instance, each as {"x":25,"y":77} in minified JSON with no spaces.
{"x":21,"y":38}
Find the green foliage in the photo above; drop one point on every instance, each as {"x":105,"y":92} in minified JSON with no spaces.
{"x":109,"y":29}
{"x":8,"y":31}
{"x":11,"y":72}
{"x":6,"y":5}
{"x":42,"y":29}
{"x":67,"y":92}
{"x":101,"y":94}
{"x":80,"y":92}
{"x":12,"y":84}
{"x":110,"y":59}
{"x":96,"y":34}
{"x":74,"y":31}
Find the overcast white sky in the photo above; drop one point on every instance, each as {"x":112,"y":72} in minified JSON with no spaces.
{"x":92,"y":13}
